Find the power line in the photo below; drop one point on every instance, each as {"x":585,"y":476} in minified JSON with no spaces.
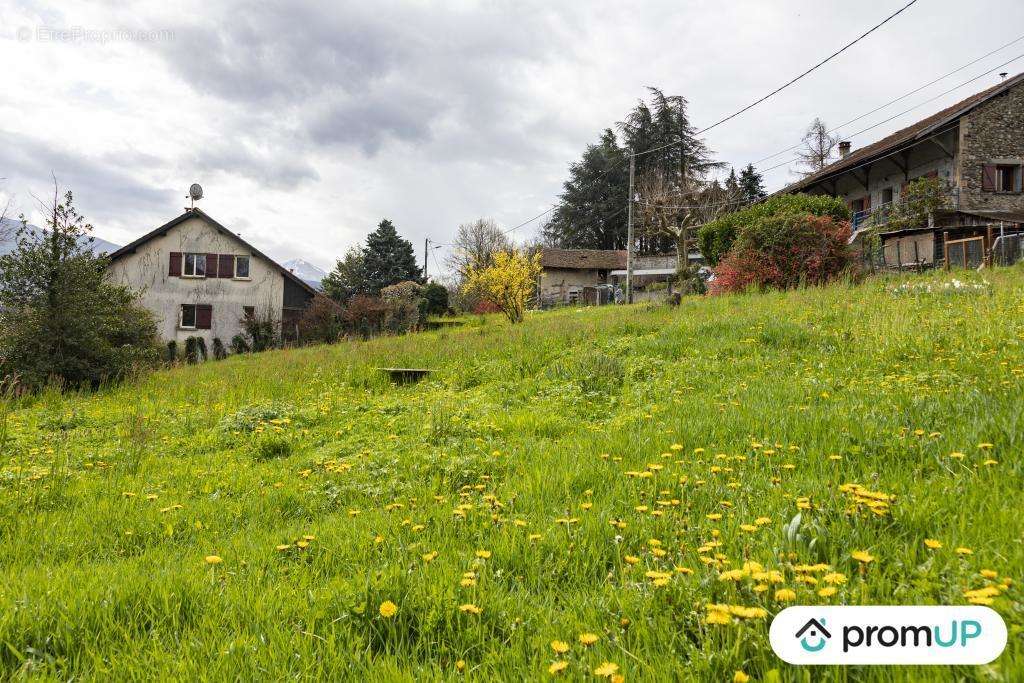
{"x":791,"y":81}
{"x":906,"y":111}
{"x":901,"y":97}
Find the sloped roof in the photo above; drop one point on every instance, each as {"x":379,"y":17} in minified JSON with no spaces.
{"x":583,"y":259}
{"x":198,"y":213}
{"x":911,"y":133}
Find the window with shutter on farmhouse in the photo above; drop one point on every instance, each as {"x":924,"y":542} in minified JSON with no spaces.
{"x":194,"y":265}
{"x":241,"y":267}
{"x":196,"y":317}
{"x":1001,"y":178}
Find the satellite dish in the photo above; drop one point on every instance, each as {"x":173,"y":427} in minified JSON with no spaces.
{"x":196,"y":191}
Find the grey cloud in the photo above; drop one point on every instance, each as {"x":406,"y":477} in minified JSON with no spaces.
{"x":363,"y":75}
{"x":102,"y":188}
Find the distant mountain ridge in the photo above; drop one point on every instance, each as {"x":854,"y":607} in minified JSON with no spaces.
{"x":312,"y":275}
{"x":9,"y":235}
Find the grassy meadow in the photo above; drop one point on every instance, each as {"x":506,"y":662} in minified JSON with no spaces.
{"x":624,"y":491}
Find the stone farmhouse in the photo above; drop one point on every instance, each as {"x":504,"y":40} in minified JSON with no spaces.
{"x":593,"y":276}
{"x":201,"y":279}
{"x":975,"y":147}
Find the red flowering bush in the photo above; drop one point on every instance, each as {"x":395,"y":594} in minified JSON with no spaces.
{"x":782,"y":252}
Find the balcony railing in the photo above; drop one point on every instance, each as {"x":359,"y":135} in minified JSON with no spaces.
{"x":879,"y":215}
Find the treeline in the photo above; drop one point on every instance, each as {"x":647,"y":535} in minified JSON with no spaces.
{"x":675,"y":180}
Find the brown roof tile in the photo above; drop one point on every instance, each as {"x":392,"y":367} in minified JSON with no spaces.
{"x":583,"y":259}
{"x":902,"y":136}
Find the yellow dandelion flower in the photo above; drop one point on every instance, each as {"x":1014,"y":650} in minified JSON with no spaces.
{"x":606,"y":670}
{"x":214,"y":559}
{"x":827,"y":591}
{"x":862,"y":556}
{"x":589,"y":639}
{"x":483,"y":554}
{"x":558,"y":667}
{"x":388,"y":609}
{"x":740,"y":677}
{"x":932,"y":544}
{"x":470,"y":608}
{"x":560,"y":646}
{"x":964,"y":551}
{"x":989,"y":573}
{"x":785,"y":595}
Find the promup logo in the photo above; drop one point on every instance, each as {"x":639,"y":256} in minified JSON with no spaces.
{"x":888,"y":635}
{"x":817,"y":633}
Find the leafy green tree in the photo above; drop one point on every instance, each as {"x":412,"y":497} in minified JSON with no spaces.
{"x":59,"y":316}
{"x":346,"y":279}
{"x":751,"y":184}
{"x":717,"y":237}
{"x":591,"y":208}
{"x":591,"y":213}
{"x":435,"y":299}
{"x":387,"y":259}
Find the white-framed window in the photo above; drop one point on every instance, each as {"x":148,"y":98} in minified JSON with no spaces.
{"x":187,"y":320}
{"x":193,"y":265}
{"x":241,"y":267}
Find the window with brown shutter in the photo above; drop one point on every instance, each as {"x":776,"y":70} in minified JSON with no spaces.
{"x":204,"y":316}
{"x":227,"y":266}
{"x":211,"y":265}
{"x":988,"y":178}
{"x":175,"y":267}
{"x":187,"y":319}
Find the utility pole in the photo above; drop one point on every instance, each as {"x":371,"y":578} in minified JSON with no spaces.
{"x":426,"y":252}
{"x":629,"y":231}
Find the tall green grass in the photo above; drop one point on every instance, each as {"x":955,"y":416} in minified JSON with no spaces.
{"x":580,"y":449}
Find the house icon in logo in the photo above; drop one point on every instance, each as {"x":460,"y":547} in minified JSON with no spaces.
{"x":814,"y":629}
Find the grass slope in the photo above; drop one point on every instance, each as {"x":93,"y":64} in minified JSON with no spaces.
{"x":607,"y":471}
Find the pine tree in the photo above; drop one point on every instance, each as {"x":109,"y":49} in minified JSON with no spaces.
{"x":387,"y":259}
{"x":752,"y":184}
{"x":59,"y":316}
{"x":731,"y":183}
{"x":591,"y":212}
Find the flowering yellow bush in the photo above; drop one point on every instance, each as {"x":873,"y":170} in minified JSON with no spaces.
{"x":508,"y":282}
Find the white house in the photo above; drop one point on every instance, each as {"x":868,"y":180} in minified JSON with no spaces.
{"x":200,"y":279}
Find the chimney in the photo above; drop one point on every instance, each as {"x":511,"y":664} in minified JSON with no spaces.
{"x":844,"y":148}
{"x":1003,"y":75}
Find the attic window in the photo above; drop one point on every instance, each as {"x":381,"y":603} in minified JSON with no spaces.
{"x":194,"y":265}
{"x":242,"y":267}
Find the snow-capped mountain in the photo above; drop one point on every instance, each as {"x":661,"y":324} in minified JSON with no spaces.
{"x":306,"y":271}
{"x":9,"y":232}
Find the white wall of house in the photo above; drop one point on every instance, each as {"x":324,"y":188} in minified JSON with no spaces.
{"x":562,"y":284}
{"x":146,"y":271}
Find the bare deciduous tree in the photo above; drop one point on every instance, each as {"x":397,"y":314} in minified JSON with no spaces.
{"x":669,"y":209}
{"x":475,"y":244}
{"x":818,"y":147}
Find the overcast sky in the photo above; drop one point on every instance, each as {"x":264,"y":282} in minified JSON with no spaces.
{"x":306,"y":123}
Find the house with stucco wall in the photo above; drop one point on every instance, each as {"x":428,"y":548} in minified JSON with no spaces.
{"x":974,"y":147}
{"x":201,"y":279}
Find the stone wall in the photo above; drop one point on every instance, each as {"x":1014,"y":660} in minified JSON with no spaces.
{"x":991,"y":134}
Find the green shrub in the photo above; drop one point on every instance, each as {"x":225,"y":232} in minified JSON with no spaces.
{"x":270,"y":446}
{"x":219,"y":352}
{"x":717,"y":237}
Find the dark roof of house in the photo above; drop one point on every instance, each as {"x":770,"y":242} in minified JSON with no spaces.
{"x":198,"y":213}
{"x":911,"y":134}
{"x":583,"y":259}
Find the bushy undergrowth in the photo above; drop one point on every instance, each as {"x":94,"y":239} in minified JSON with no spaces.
{"x":636,"y":487}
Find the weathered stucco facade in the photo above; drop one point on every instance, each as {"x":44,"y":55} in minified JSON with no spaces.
{"x":156,"y":267}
